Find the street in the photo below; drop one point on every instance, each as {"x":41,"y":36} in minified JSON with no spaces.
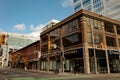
{"x":17,"y":74}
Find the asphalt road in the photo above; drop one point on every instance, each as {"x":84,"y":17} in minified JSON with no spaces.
{"x":17,"y":74}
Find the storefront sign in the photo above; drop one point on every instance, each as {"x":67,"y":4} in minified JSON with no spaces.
{"x":113,"y":52}
{"x":71,"y":51}
{"x":74,"y":51}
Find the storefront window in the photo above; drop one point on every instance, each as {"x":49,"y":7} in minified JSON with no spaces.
{"x":43,"y":65}
{"x":51,"y":65}
{"x":54,"y":65}
{"x":67,"y":65}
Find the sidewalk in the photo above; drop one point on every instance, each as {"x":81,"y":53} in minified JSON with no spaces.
{"x":79,"y":75}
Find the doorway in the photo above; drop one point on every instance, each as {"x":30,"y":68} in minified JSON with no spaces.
{"x":114,"y":63}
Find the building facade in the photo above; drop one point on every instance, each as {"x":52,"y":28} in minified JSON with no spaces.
{"x":109,"y":8}
{"x":12,"y":41}
{"x":27,"y":57}
{"x":85,"y":40}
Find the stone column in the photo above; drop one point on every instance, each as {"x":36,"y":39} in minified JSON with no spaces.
{"x":117,"y":42}
{"x":62,"y":50}
{"x":105,"y":46}
{"x":85,"y":45}
{"x":48,"y":57}
{"x":39,"y":56}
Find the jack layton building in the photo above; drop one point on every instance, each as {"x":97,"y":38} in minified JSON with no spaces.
{"x":89,"y":41}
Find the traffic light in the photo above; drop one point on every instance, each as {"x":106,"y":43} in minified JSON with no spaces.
{"x":3,"y":37}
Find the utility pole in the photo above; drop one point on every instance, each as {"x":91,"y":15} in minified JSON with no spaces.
{"x":95,"y":59}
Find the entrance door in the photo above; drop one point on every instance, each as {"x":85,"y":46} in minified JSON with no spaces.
{"x":78,"y":63}
{"x":114,"y":64}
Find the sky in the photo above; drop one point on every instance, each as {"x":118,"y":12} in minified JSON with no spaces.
{"x":29,"y":16}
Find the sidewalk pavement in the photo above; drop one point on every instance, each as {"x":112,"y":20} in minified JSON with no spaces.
{"x":68,"y":74}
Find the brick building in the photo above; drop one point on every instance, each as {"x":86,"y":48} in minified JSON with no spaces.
{"x":28,"y":56}
{"x":89,"y":41}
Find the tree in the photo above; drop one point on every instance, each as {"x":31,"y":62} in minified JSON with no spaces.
{"x":19,"y":57}
{"x":25,"y":61}
{"x":22,"y":58}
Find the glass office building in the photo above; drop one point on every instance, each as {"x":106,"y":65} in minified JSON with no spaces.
{"x":109,"y":8}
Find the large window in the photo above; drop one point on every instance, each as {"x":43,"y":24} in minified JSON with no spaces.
{"x":69,"y":27}
{"x":110,"y":41}
{"x":1,"y":52}
{"x":89,"y":8}
{"x":44,"y":48}
{"x":97,"y":38}
{"x":89,"y":38}
{"x":44,"y":38}
{"x":93,"y":22}
{"x":72,"y":40}
{"x":96,"y":24}
{"x":88,"y":21}
{"x":119,"y":42}
{"x":55,"y":34}
{"x":109,"y":27}
{"x":75,"y":1}
{"x":118,"y":30}
{"x":86,"y":2}
{"x":77,"y":7}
